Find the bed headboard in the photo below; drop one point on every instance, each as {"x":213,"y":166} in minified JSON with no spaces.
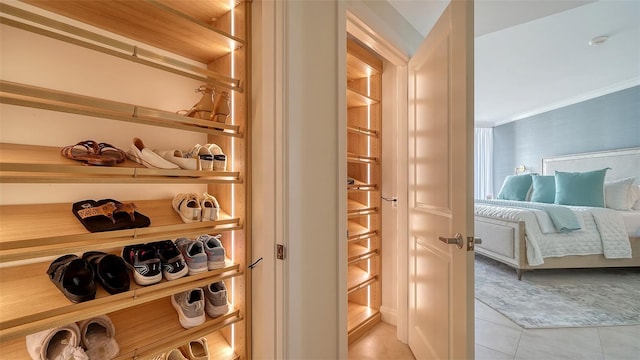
{"x":624,"y":163}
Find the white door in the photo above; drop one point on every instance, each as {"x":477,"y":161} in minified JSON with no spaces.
{"x":441,"y":188}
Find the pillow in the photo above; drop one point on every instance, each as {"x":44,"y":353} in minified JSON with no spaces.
{"x":515,"y":187}
{"x":544,"y":189}
{"x":617,"y":194}
{"x":635,"y":194}
{"x":580,"y":188}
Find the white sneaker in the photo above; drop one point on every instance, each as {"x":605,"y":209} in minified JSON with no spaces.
{"x":210,"y":207}
{"x":204,"y":156}
{"x":219,"y":158}
{"x":145,"y":156}
{"x":188,"y":207}
{"x":185,"y":161}
{"x":190,"y":306}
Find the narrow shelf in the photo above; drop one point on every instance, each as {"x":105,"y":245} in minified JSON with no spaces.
{"x":361,"y":63}
{"x":362,"y":186}
{"x":24,"y":311}
{"x":355,"y":208}
{"x":356,"y":99}
{"x":191,"y":33}
{"x":362,"y":131}
{"x":358,"y":253}
{"x":360,"y":318}
{"x":359,"y":232}
{"x":48,"y":99}
{"x":45,"y":230}
{"x":358,"y":278}
{"x":361,"y":159}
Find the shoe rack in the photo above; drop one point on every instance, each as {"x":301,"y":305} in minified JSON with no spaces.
{"x":215,"y":39}
{"x":364,"y":85}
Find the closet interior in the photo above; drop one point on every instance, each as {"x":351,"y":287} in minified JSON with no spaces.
{"x":195,"y":42}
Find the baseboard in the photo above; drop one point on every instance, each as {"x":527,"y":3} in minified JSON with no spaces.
{"x":389,"y":315}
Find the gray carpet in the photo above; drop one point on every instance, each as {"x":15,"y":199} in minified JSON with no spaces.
{"x":560,"y":298}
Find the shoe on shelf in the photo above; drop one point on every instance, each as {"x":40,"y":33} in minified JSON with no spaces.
{"x":188,"y":207}
{"x":221,"y":107}
{"x":214,"y":250}
{"x":176,"y":156}
{"x":174,"y":354}
{"x":216,"y":299}
{"x":173,"y":264}
{"x":202,"y":109}
{"x":193,"y":252}
{"x":190,"y":307}
{"x":143,"y":260}
{"x":109,"y":270}
{"x":204,"y":156}
{"x":210,"y":207}
{"x":145,"y":156}
{"x":62,"y":342}
{"x":99,"y":338}
{"x":196,"y":349}
{"x":219,"y":158}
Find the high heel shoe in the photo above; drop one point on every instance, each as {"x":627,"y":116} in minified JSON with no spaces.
{"x":202,"y":109}
{"x":221,"y":107}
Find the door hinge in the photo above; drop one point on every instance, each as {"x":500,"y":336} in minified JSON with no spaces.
{"x":280,"y":252}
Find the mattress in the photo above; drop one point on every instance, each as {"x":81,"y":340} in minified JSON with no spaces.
{"x":631,"y":222}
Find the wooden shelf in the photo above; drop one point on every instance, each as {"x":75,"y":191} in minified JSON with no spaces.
{"x":46,"y":230}
{"x":362,"y":186}
{"x":358,"y":278}
{"x":48,"y":99}
{"x":356,"y":99}
{"x":362,"y":131}
{"x":361,"y":159}
{"x":360,"y":319}
{"x":24,"y":311}
{"x":358,"y":253}
{"x":355,"y":208}
{"x":360,"y":62}
{"x":359,"y":232}
{"x":192,"y":33}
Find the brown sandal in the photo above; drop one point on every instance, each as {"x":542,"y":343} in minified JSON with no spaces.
{"x":93,"y":153}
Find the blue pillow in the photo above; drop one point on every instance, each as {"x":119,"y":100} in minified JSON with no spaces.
{"x":544,"y":189}
{"x":515,"y":187}
{"x":580,"y":188}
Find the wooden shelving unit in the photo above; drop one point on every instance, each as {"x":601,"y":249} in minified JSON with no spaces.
{"x":215,"y":38}
{"x":364,"y":69}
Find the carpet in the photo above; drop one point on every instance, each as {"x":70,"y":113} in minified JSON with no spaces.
{"x":560,"y":298}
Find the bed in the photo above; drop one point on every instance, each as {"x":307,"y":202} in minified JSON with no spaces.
{"x":517,"y":232}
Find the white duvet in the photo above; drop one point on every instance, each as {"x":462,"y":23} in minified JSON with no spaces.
{"x":602,"y":232}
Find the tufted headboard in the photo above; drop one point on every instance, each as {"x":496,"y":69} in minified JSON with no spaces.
{"x":624,"y":163}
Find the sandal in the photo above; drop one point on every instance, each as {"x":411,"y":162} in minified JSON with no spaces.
{"x":109,"y":270}
{"x":108,"y":215}
{"x":73,"y":276}
{"x":93,"y":153}
{"x":204,"y":107}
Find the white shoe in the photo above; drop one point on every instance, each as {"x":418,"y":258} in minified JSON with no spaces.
{"x":188,"y":207}
{"x":204,"y":156}
{"x":185,"y":161}
{"x":210,"y":207}
{"x":145,"y":156}
{"x":219,"y":158}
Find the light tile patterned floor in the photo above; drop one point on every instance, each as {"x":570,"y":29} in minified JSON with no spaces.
{"x":498,"y":338}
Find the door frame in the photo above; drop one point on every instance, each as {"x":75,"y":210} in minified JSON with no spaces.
{"x":399,"y":102}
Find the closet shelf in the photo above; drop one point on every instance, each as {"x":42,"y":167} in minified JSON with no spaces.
{"x":24,"y":311}
{"x":361,"y":159}
{"x":46,"y":230}
{"x":361,"y":63}
{"x":38,"y":164}
{"x":355,"y":208}
{"x":356,"y":99}
{"x":37,"y":97}
{"x":194,"y":32}
{"x":360,"y":319}
{"x":362,"y":186}
{"x":358,"y":253}
{"x":358,"y":278}
{"x":359,"y":232}
{"x":362,"y":131}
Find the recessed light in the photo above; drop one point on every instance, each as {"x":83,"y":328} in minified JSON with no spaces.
{"x":599,"y":40}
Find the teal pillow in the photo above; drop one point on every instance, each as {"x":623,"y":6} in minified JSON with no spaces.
{"x":580,"y":188}
{"x":544,"y":189}
{"x":515,"y":187}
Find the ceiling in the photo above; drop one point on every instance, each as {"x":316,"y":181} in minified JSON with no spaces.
{"x":534,"y":56}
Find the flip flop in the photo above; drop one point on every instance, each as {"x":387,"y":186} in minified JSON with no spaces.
{"x":73,"y":276}
{"x":89,"y":152}
{"x":108,"y":215}
{"x":109,"y":270}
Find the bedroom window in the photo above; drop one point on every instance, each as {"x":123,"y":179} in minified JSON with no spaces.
{"x":483,"y":163}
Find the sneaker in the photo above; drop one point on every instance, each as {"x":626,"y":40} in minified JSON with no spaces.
{"x":196,"y":349}
{"x":204,"y":156}
{"x":216,"y":299}
{"x":193,"y":252}
{"x":214,"y":250}
{"x":219,"y":158}
{"x":173,"y":264}
{"x":190,"y":307}
{"x":188,"y":207}
{"x":210,"y":207}
{"x":144,"y":262}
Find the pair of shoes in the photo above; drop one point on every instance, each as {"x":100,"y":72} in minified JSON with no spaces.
{"x":73,"y":276}
{"x":184,"y":160}
{"x":109,"y":270}
{"x":193,"y":350}
{"x":145,"y":156}
{"x":151,"y":261}
{"x":192,"y":304}
{"x":204,"y":253}
{"x":194,"y":208}
{"x":94,"y":153}
{"x":213,"y":105}
{"x":210,"y":157}
{"x":108,"y":215}
{"x":89,"y":339}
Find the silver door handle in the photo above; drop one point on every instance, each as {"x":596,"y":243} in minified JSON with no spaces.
{"x":458,"y":240}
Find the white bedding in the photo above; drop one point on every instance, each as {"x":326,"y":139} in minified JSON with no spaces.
{"x":631,"y":222}
{"x":603,"y":232}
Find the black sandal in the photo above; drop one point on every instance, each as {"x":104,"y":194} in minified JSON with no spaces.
{"x":73,"y":276}
{"x":109,"y":270}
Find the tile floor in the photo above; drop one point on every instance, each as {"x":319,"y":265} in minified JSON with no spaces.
{"x":498,"y":338}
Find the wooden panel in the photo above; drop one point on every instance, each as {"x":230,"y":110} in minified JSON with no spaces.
{"x":358,"y":278}
{"x":361,"y":61}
